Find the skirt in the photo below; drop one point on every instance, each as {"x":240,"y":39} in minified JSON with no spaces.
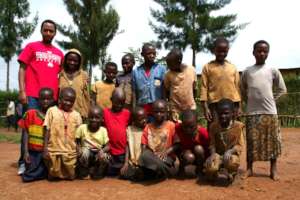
{"x":263,"y":137}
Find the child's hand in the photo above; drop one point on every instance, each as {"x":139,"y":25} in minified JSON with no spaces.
{"x":162,"y":156}
{"x":124,"y":169}
{"x":207,"y":115}
{"x":227,"y":155}
{"x":46,"y":154}
{"x":27,"y":158}
{"x":210,"y":160}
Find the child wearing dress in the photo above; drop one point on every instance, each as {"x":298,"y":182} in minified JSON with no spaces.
{"x":60,"y":127}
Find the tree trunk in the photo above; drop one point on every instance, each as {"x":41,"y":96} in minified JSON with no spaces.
{"x":7,"y":76}
{"x":194,"y":58}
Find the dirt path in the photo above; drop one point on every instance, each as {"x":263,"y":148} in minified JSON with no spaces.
{"x":258,"y":187}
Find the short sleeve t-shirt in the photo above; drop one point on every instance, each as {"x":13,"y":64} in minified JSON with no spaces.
{"x":33,"y":123}
{"x":116,"y":125}
{"x":159,"y":139}
{"x":103,"y":93}
{"x":90,"y":140}
{"x":42,"y":67}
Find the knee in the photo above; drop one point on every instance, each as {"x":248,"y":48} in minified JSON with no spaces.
{"x":232,"y":164}
{"x":199,"y":151}
{"x":188,"y":157}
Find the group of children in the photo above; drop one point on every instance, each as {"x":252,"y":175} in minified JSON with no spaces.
{"x":142,"y":124}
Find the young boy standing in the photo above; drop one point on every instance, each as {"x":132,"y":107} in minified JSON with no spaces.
{"x":262,"y":127}
{"x":147,"y":79}
{"x":59,"y":132}
{"x":102,"y":90}
{"x":124,"y":80}
{"x":92,"y":146}
{"x":116,"y":121}
{"x":180,"y":84}
{"x":226,"y":142}
{"x":32,"y":124}
{"x":219,"y":79}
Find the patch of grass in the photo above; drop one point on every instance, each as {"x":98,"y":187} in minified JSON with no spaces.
{"x":14,"y":138}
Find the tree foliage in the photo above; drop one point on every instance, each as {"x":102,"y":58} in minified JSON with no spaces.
{"x":96,"y":25}
{"x":14,"y":28}
{"x":190,"y":23}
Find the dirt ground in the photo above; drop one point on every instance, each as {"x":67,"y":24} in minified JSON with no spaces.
{"x":258,"y":187}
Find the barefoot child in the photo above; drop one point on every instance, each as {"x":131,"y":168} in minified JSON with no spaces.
{"x":262,"y":127}
{"x":116,"y":121}
{"x":219,"y":79}
{"x":194,"y":142}
{"x":147,"y":79}
{"x":32,"y":124}
{"x":226,"y":142}
{"x":73,"y":76}
{"x":92,"y":146}
{"x":159,"y":144}
{"x":180,"y":84}
{"x":59,"y":132}
{"x":124,"y":80}
{"x":131,"y":169}
{"x":102,"y":90}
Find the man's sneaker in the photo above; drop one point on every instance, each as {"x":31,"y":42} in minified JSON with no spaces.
{"x":21,"y":169}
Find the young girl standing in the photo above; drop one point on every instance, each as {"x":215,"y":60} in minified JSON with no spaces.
{"x":73,"y":76}
{"x":262,"y":127}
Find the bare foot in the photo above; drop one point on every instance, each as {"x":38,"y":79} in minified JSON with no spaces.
{"x":274,"y":176}
{"x":248,"y":173}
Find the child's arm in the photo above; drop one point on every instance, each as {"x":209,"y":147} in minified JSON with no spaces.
{"x":207,"y":113}
{"x":125,"y":166}
{"x":102,"y":153}
{"x":46,"y":139}
{"x":78,"y":147}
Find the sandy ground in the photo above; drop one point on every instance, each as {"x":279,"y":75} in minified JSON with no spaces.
{"x":258,"y":187}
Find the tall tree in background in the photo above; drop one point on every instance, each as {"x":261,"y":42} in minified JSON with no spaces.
{"x":14,"y":28}
{"x":96,"y":25}
{"x":189,"y":23}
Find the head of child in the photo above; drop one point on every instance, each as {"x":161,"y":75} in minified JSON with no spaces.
{"x":94,"y":118}
{"x":149,"y":54}
{"x":221,"y":48}
{"x":261,"y":51}
{"x":117,"y":100}
{"x":189,"y":123}
{"x":139,"y":117}
{"x":48,"y":31}
{"x":225,"y":110}
{"x":72,"y":61}
{"x":110,"y":71}
{"x":67,"y":98}
{"x":46,"y":99}
{"x":159,"y":111}
{"x":128,"y":62}
{"x":174,"y":60}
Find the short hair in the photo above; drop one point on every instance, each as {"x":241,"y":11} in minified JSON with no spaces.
{"x":220,"y":40}
{"x":189,"y":114}
{"x":176,"y":52}
{"x":46,"y":89}
{"x":147,"y":45}
{"x":66,"y":89}
{"x":136,"y":111}
{"x":225,"y":103}
{"x":48,"y":21}
{"x":113,"y":64}
{"x":95,"y":107}
{"x":131,"y":56}
{"x":260,"y":42}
